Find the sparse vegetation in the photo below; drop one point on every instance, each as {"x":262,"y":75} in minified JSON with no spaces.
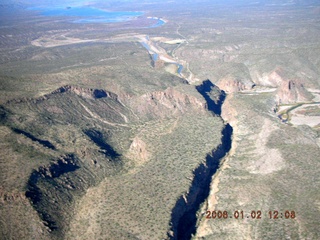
{"x":96,"y":143}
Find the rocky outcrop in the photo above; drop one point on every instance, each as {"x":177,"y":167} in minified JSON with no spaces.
{"x":85,"y":92}
{"x":89,"y":93}
{"x":166,"y":103}
{"x":292,"y":91}
{"x":138,"y":151}
{"x":270,"y":79}
{"x":49,"y":202}
{"x":231,"y":84}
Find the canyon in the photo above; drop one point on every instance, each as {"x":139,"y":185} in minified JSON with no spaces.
{"x":129,"y":130}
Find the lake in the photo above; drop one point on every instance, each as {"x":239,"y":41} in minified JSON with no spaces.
{"x":89,"y":14}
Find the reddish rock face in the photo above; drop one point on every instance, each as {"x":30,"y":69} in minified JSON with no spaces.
{"x":292,"y":91}
{"x":230,"y":84}
{"x":271,"y":79}
{"x":165,"y":103}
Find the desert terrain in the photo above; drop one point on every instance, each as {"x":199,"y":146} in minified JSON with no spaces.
{"x":194,"y":120}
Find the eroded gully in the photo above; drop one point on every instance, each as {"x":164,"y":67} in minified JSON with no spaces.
{"x":184,"y":214}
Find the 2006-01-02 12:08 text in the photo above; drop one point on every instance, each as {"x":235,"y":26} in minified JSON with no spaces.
{"x":275,"y":214}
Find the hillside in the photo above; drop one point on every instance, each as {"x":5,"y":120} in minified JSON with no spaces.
{"x":192,"y":121}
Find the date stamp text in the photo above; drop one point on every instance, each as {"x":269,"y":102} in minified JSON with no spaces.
{"x":254,"y":214}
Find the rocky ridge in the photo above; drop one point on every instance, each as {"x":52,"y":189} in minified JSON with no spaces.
{"x":160,"y":104}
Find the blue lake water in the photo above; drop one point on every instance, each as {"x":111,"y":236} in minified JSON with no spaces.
{"x":89,"y":14}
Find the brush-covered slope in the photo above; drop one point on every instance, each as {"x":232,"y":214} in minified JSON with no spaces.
{"x":81,"y":155}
